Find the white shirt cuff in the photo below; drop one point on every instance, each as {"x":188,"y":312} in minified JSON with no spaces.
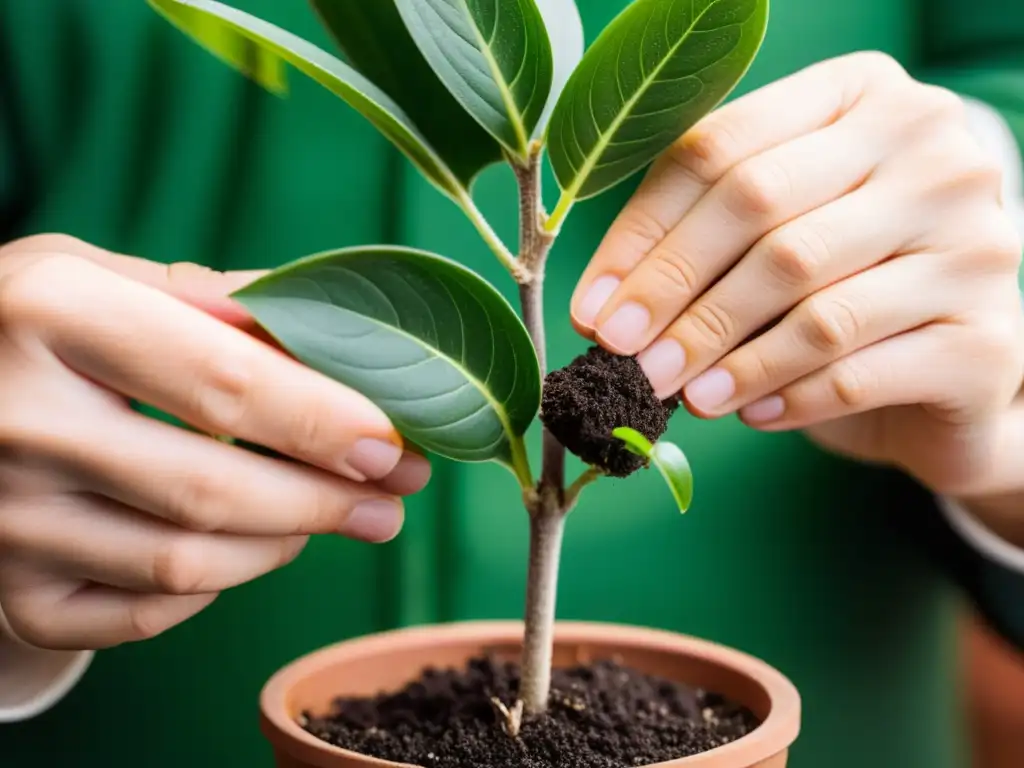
{"x":33,"y":680}
{"x":986,"y":543}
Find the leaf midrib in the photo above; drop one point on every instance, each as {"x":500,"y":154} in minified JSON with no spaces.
{"x":605,"y":139}
{"x":515,"y":116}
{"x":498,"y":407}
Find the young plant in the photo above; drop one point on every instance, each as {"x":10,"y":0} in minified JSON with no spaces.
{"x":458,"y":85}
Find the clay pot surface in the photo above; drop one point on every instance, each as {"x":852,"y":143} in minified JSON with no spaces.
{"x":387,"y":661}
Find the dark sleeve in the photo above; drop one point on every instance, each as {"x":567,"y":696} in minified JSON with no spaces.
{"x":977,"y":50}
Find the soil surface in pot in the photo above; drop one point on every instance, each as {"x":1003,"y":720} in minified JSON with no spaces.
{"x":601,"y":715}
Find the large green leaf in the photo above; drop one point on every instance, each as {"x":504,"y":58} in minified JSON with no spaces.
{"x":375,"y":41}
{"x":565,"y":32}
{"x":434,"y":345}
{"x":654,"y":72}
{"x":494,"y":56}
{"x":668,"y":458}
{"x":261,"y":50}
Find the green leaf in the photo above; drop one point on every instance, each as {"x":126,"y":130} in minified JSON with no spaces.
{"x":261,"y":50}
{"x":668,"y":458}
{"x":494,"y":56}
{"x":654,"y":72}
{"x":565,"y":32}
{"x":434,"y":345}
{"x":375,"y":41}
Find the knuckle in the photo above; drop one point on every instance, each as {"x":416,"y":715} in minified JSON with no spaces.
{"x":796,"y":255}
{"x":876,"y":65}
{"x":673,"y":267}
{"x":310,"y":431}
{"x":851,"y":385}
{"x":757,"y":188}
{"x":33,"y":293}
{"x":201,"y":502}
{"x":706,"y":152}
{"x":48,"y":242}
{"x":1001,"y":247}
{"x":327,"y":511}
{"x":643,"y":228}
{"x":178,"y":566}
{"x":31,"y":624}
{"x":830,"y":325}
{"x":712,"y":323}
{"x":146,"y":620}
{"x":940,"y":103}
{"x":221,"y":395}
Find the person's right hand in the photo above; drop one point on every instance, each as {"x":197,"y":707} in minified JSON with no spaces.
{"x":115,"y":526}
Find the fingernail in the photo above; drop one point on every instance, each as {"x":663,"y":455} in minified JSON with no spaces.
{"x":593,"y":302}
{"x":626,"y":328}
{"x":375,"y":520}
{"x":766,"y":409}
{"x":410,"y":476}
{"x":711,"y":389}
{"x":663,"y":363}
{"x":374,"y":459}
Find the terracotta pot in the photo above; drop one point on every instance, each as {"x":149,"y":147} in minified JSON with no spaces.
{"x":388,"y":661}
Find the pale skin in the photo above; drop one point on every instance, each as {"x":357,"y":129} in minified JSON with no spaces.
{"x":831,"y":254}
{"x":114,"y":526}
{"x":845,"y":209}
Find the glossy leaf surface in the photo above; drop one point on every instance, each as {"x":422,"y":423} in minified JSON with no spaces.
{"x":565,"y":33}
{"x":668,"y":458}
{"x":658,"y":68}
{"x":494,"y":56}
{"x":261,"y":50}
{"x":373,"y":38}
{"x":435,"y":346}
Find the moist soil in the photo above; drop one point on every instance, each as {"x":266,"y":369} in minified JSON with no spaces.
{"x":601,"y":715}
{"x":597,"y":392}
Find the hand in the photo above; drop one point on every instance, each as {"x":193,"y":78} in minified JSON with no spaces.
{"x":828,"y":253}
{"x":114,"y":526}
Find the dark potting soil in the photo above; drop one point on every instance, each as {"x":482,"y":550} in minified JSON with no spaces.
{"x":601,"y":715}
{"x":597,"y":392}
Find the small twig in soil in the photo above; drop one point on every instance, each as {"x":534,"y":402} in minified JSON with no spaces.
{"x":511,"y":720}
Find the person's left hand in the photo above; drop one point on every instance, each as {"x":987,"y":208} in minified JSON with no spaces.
{"x":828,"y":253}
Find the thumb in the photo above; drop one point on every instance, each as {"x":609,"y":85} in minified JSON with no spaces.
{"x":202,"y":287}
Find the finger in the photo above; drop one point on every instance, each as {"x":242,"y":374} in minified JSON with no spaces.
{"x":410,"y":476}
{"x":97,"y":540}
{"x":752,"y":124}
{"x":50,"y":611}
{"x":203,"y":484}
{"x":787,"y":265}
{"x":757,"y":196}
{"x":200,"y":286}
{"x":829,"y":325}
{"x":747,"y":126}
{"x":935,"y":366}
{"x":155,"y":349}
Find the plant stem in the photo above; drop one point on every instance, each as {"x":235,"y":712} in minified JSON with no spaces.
{"x":562,"y":208}
{"x":572,"y":495}
{"x":546,"y":505}
{"x":546,"y":528}
{"x":489,"y":235}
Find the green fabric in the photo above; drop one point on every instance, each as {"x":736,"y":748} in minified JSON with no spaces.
{"x":117,"y":129}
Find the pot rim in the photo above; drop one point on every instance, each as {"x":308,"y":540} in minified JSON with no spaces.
{"x":774,"y":735}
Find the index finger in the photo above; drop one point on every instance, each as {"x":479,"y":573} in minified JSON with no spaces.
{"x":759,"y":121}
{"x":149,"y":346}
